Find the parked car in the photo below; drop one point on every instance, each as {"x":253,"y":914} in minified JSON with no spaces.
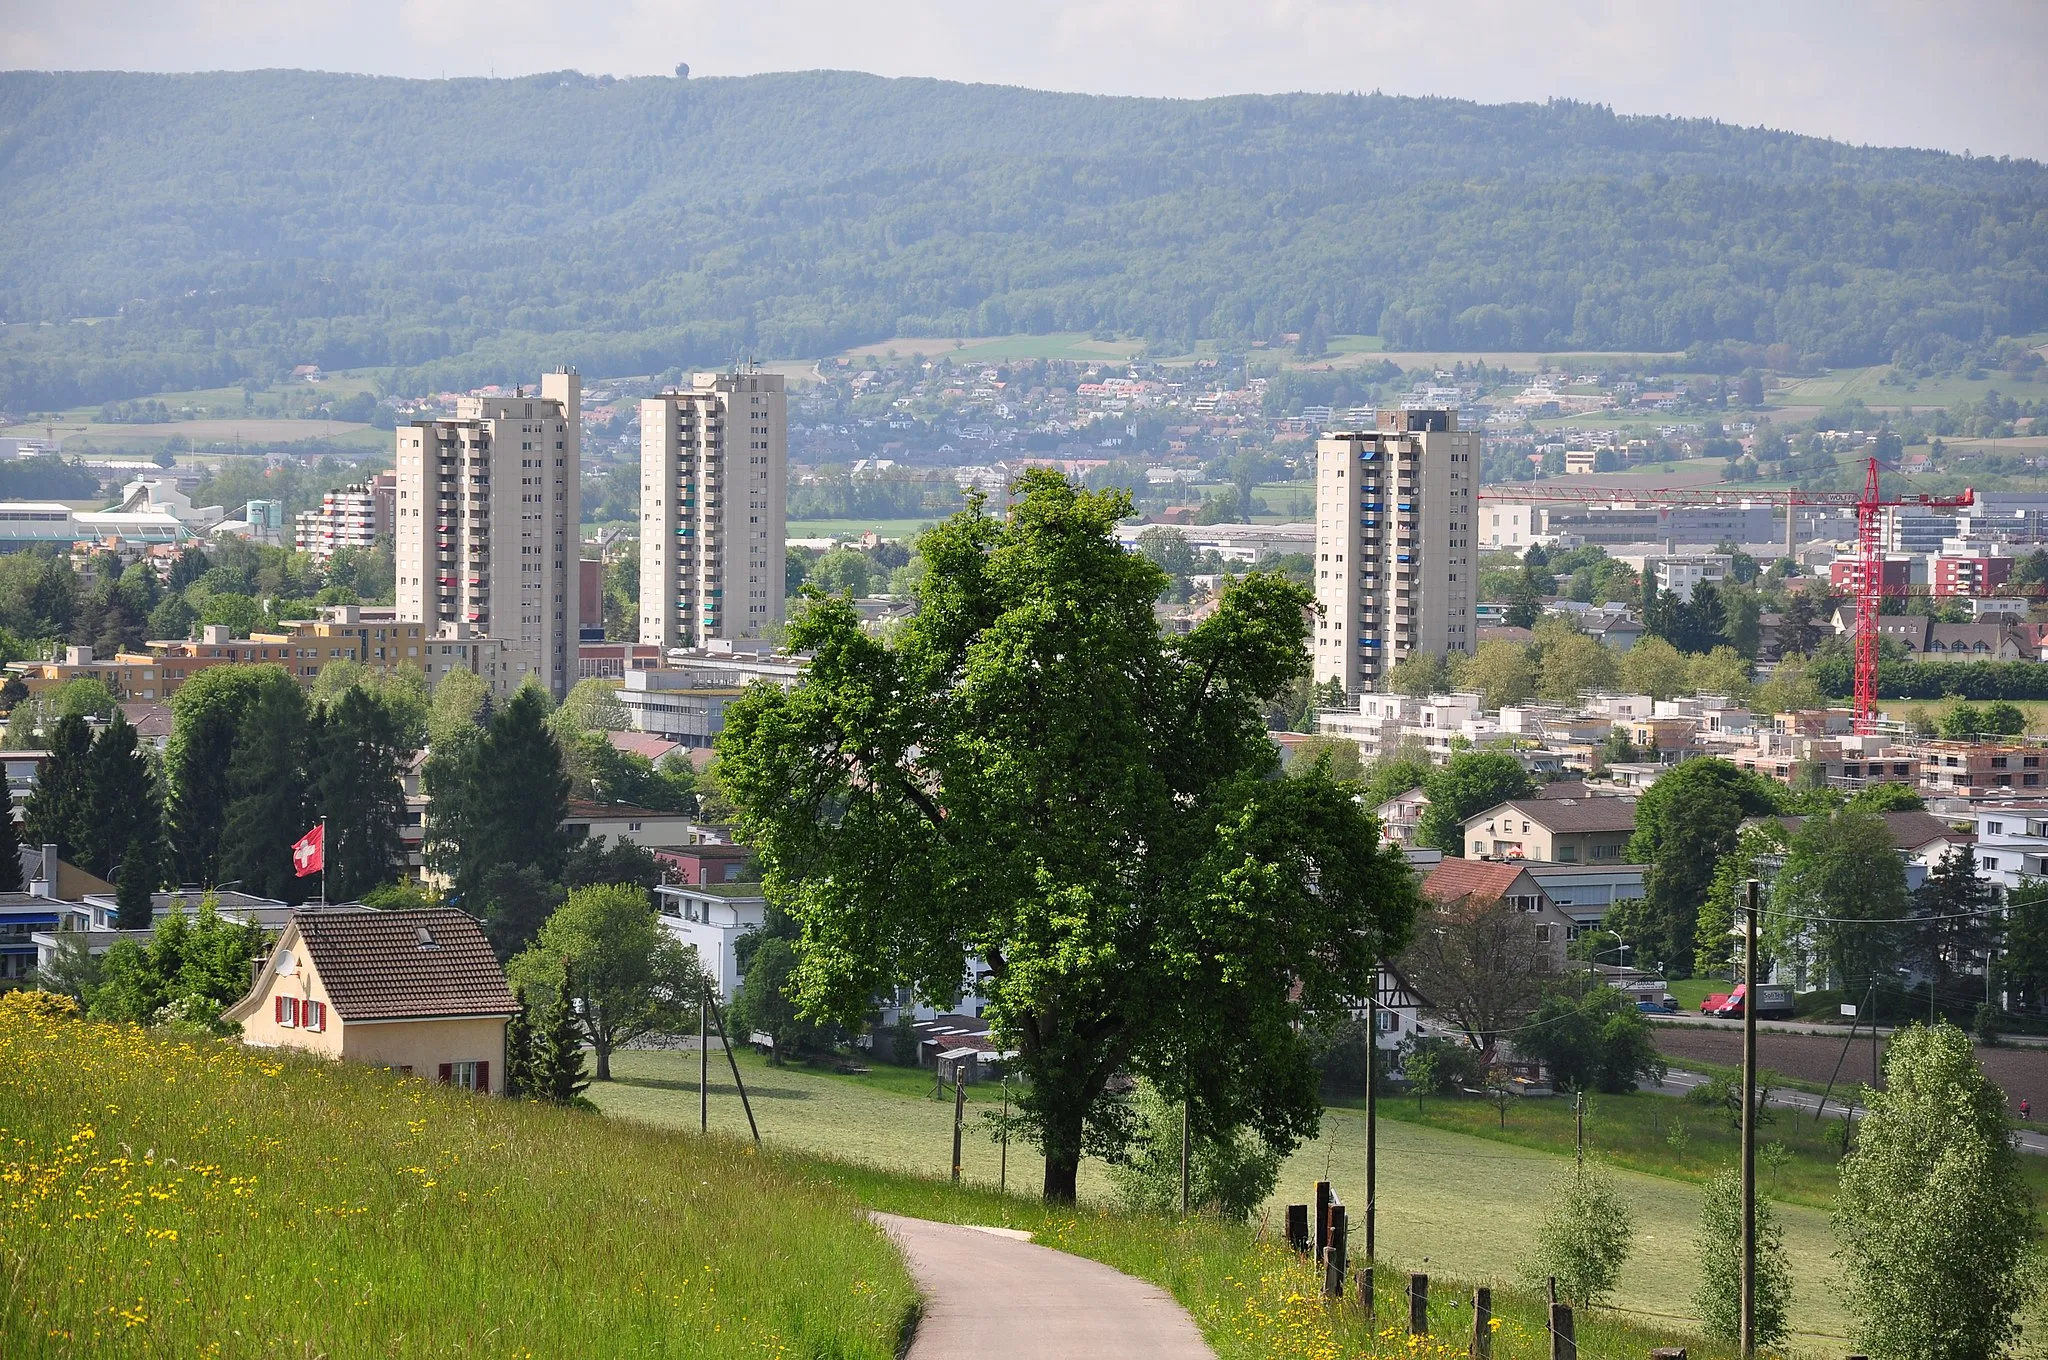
{"x":1649,"y":1005}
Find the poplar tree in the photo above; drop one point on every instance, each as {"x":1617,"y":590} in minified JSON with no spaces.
{"x":269,"y":808}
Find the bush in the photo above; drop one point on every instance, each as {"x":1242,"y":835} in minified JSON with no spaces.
{"x":1229,"y":1174}
{"x":1586,"y":1234}
{"x":1592,"y":1038}
{"x":34,"y":1007}
{"x":1719,"y":1242}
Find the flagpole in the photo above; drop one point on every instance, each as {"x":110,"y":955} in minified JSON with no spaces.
{"x":323,"y":859}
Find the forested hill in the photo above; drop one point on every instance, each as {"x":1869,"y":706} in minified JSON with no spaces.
{"x":219,"y":226}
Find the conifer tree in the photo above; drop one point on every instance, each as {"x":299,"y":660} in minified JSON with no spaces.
{"x":268,"y":810}
{"x":519,"y":1049}
{"x":558,"y":1075}
{"x":10,"y":854}
{"x":121,"y":814}
{"x":359,"y":792}
{"x":134,"y":893}
{"x":53,"y":809}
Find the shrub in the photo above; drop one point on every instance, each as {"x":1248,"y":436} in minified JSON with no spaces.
{"x":25,"y":1004}
{"x":1586,"y":1234}
{"x":1229,"y":1174}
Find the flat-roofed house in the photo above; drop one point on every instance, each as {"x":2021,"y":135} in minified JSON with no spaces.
{"x":416,"y":990}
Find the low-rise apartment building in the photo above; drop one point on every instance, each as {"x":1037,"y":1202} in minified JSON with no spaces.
{"x":1557,"y":830}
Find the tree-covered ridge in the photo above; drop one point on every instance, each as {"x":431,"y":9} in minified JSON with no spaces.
{"x":230,"y":224}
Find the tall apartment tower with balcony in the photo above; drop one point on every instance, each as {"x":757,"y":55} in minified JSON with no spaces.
{"x":1394,"y":516}
{"x":713,"y":518}
{"x":489,"y":505}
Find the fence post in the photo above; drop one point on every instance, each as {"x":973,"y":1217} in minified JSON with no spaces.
{"x":1418,"y":1305}
{"x":1365,"y":1299}
{"x":1333,"y":1256}
{"x":1482,"y":1324}
{"x":1297,"y":1227}
{"x":1563,"y":1344}
{"x":1321,"y":1226}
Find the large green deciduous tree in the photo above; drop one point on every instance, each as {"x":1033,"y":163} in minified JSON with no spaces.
{"x":270,"y":806}
{"x":607,"y":946}
{"x":1030,"y":776}
{"x":1468,"y":783}
{"x":357,"y":788}
{"x":1840,"y":901}
{"x":1684,"y":825}
{"x":1934,"y":1217}
{"x":207,"y":714}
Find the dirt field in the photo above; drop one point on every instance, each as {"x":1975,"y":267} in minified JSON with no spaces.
{"x":2022,"y":1073}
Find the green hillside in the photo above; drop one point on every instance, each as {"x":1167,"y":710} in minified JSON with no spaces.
{"x":194,"y":231}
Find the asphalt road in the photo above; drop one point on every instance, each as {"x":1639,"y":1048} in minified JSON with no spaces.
{"x":1678,"y":1083}
{"x":990,"y":1294}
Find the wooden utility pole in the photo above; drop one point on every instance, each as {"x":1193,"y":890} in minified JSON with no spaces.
{"x":1579,"y":1128}
{"x":1372,"y":1115}
{"x":959,"y":1114}
{"x":1749,"y":973}
{"x":704,"y":1059}
{"x":1003,"y":1174}
{"x":725,"y":1040}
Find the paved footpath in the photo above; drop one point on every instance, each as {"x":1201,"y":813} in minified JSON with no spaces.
{"x":990,"y":1294}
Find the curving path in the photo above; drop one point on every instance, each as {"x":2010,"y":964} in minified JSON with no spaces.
{"x":990,"y":1294}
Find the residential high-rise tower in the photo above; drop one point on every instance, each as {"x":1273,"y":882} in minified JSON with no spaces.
{"x":713,"y":458}
{"x":489,"y":505}
{"x":1394,"y":517}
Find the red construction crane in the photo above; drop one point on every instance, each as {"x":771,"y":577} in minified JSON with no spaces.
{"x":1867,"y":575}
{"x":1867,"y":578}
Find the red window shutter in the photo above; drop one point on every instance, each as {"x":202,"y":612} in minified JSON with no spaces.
{"x":447,"y":1073}
{"x":277,"y":1009}
{"x":483,"y":1078}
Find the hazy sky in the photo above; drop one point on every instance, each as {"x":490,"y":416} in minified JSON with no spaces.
{"x":1953,"y":74}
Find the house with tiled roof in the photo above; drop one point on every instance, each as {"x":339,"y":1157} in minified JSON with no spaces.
{"x":1456,"y":880}
{"x":416,"y":990}
{"x":1557,"y":830}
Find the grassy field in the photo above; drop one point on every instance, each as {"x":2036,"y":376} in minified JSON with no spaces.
{"x":854,"y":528}
{"x":168,"y":1198}
{"x":995,"y":349}
{"x":201,"y":426}
{"x":1936,"y":709}
{"x":1836,"y":387}
{"x":1466,"y":1205}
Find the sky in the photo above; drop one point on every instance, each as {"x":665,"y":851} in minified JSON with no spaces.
{"x":1951,"y":74}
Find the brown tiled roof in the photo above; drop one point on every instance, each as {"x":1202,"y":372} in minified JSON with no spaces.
{"x":1910,"y":830}
{"x":1575,"y":814}
{"x":1454,"y":878}
{"x":377,"y":965}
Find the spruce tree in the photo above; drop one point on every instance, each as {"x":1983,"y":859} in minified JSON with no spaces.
{"x":269,"y":810}
{"x":519,"y":1049}
{"x":359,"y":791}
{"x":558,"y":1075}
{"x":10,"y":854}
{"x":53,"y":811}
{"x":134,"y":893}
{"x":121,"y":813}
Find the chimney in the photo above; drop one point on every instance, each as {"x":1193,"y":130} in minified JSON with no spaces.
{"x":45,"y":884}
{"x":255,"y":972}
{"x":78,"y":656}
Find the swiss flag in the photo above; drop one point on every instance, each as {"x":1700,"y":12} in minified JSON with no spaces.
{"x":309,"y":853}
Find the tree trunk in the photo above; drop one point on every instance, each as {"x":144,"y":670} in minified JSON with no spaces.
{"x":604,"y":1059}
{"x":1061,"y":1173}
{"x":1062,"y":1160}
